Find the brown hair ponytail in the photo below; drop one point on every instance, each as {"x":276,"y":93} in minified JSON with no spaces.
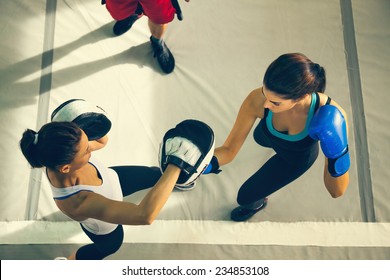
{"x":55,"y":144}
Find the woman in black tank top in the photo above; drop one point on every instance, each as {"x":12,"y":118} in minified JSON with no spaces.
{"x":291,"y":95}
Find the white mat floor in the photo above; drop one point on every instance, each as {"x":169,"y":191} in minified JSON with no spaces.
{"x":222,"y":49}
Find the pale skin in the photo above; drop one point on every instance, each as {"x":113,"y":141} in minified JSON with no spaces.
{"x":85,"y":204}
{"x":289,"y":115}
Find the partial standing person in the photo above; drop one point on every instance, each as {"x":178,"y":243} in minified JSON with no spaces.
{"x":295,"y":115}
{"x":159,"y":13}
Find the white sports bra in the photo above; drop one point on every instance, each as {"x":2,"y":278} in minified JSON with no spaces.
{"x":109,"y":188}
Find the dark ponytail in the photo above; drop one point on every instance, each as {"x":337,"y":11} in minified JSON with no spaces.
{"x":320,"y":80}
{"x":29,"y":149}
{"x":55,"y":144}
{"x":293,"y":75}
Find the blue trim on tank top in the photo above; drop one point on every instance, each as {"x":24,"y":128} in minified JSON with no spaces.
{"x":294,"y":137}
{"x":69,"y":195}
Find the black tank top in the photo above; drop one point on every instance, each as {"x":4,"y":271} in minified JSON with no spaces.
{"x":296,"y":149}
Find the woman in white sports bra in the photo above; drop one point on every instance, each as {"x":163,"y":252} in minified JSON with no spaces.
{"x":90,"y":193}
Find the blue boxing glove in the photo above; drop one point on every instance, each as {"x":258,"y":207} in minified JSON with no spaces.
{"x":213,"y":166}
{"x":329,"y":127}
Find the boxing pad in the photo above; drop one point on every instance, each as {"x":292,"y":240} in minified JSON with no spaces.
{"x":190,"y":145}
{"x":91,"y":119}
{"x":329,"y":127}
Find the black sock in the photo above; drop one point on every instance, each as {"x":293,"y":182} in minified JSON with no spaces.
{"x":156,"y":40}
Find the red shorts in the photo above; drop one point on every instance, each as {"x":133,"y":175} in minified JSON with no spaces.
{"x":158,"y":11}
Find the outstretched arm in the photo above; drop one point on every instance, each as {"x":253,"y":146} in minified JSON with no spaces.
{"x":92,"y":205}
{"x":179,"y":153}
{"x":247,"y":115}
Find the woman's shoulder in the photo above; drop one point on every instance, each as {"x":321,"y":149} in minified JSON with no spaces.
{"x":324,"y":99}
{"x":255,"y":102}
{"x":256,"y":93}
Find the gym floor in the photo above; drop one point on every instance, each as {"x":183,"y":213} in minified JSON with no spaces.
{"x":59,"y":50}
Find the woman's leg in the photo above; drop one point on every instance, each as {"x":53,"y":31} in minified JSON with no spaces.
{"x":136,"y":178}
{"x":132,"y":179}
{"x":272,"y":176}
{"x":102,"y":246}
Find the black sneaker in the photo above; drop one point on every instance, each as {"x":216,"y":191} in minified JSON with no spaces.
{"x":164,"y":56}
{"x":122,"y":26}
{"x":241,"y":213}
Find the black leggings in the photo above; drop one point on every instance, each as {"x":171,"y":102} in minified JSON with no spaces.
{"x":102,"y":246}
{"x":272,"y":176}
{"x":132,"y":179}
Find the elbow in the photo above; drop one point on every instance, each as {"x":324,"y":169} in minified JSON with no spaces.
{"x":147,"y":220}
{"x":337,"y":186}
{"x":146,"y":215}
{"x":337,"y":193}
